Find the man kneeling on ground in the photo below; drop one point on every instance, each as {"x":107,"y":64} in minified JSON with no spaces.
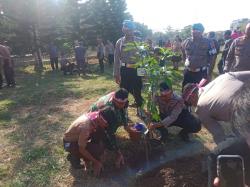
{"x":173,"y":112}
{"x":88,"y":137}
{"x":118,"y":100}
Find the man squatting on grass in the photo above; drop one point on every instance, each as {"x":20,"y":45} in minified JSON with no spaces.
{"x":173,"y":112}
{"x":88,"y":137}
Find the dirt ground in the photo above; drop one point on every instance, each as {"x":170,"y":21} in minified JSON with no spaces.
{"x":185,"y":172}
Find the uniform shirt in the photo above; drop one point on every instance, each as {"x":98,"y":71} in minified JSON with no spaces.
{"x":172,"y":108}
{"x":79,"y":131}
{"x":4,"y":52}
{"x":176,"y":46}
{"x":53,"y":53}
{"x":80,"y":52}
{"x":226,"y":49}
{"x":197,"y":52}
{"x":215,"y":101}
{"x":121,"y":115}
{"x":123,"y":55}
{"x":238,"y":58}
{"x":100,"y":51}
{"x":109,"y":49}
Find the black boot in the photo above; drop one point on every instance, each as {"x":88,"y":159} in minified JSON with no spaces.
{"x":184,"y":136}
{"x":164,"y":134}
{"x":74,"y":161}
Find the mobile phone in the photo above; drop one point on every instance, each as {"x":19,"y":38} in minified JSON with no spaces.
{"x":231,"y":171}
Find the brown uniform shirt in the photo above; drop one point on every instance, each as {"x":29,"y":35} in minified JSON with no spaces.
{"x":171,"y":109}
{"x":238,"y":58}
{"x":123,"y":55}
{"x":4,"y":52}
{"x":197,"y":53}
{"x":215,"y":101}
{"x":79,"y":131}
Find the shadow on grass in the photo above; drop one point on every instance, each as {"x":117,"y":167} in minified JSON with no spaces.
{"x":33,"y":110}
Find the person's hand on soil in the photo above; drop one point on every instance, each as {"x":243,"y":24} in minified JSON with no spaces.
{"x":133,"y":133}
{"x":120,"y":160}
{"x":97,"y":168}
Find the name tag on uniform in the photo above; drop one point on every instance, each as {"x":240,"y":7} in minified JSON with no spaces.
{"x":141,"y":72}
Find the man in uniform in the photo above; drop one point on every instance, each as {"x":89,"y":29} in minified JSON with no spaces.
{"x":228,"y":42}
{"x":53,"y":54}
{"x":214,"y":44}
{"x":227,"y":98}
{"x":100,"y":54}
{"x":125,"y":72}
{"x":173,"y":112}
{"x":198,"y":54}
{"x":80,"y":56}
{"x":238,"y":58}
{"x":88,"y":137}
{"x":118,"y":101}
{"x":7,"y":67}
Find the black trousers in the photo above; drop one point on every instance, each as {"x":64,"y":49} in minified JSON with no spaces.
{"x":101,"y":64}
{"x":188,"y":122}
{"x":80,"y":65}
{"x":53,"y":62}
{"x":132,"y":83}
{"x":9,"y":73}
{"x":193,"y":77}
{"x":220,"y":66}
{"x":111,"y":59}
{"x":68,"y":68}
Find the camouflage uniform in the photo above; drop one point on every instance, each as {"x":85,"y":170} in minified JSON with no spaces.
{"x":224,"y":55}
{"x":238,"y":58}
{"x":121,"y":115}
{"x":198,"y":56}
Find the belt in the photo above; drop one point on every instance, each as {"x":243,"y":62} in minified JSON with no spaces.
{"x":197,"y":69}
{"x":128,"y":65}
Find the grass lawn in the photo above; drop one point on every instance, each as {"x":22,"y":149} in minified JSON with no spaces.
{"x":34,"y":116}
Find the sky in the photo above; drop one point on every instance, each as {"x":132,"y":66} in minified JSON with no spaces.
{"x":215,"y":15}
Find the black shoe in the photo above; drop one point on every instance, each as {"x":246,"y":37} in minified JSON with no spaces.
{"x":164,"y":134}
{"x":74,"y":161}
{"x":184,"y":136}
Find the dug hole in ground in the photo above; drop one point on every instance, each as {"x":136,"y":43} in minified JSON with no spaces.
{"x":175,"y":164}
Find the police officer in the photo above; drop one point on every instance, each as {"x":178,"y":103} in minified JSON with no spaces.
{"x":7,"y":66}
{"x":214,"y":44}
{"x":228,"y":41}
{"x":173,"y":112}
{"x":238,"y":58}
{"x":198,"y":54}
{"x":125,"y":72}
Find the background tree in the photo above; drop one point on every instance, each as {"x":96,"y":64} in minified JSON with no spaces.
{"x":240,"y":24}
